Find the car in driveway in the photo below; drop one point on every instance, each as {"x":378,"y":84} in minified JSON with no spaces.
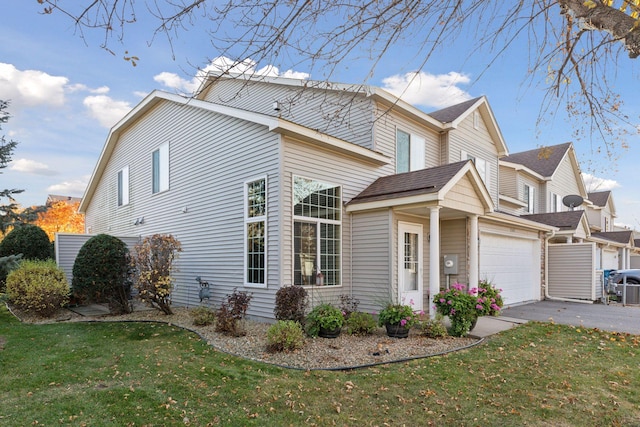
{"x":616,"y":281}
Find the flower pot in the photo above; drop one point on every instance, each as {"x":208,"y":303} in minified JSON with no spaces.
{"x":329,"y":333}
{"x":396,"y":330}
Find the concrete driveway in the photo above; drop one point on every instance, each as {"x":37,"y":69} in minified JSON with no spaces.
{"x":613,"y":317}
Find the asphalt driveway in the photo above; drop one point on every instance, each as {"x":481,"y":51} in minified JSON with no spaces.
{"x":613,"y":317}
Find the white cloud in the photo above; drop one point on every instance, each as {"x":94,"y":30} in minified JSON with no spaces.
{"x":31,"y":87}
{"x":594,"y":184}
{"x":223,"y":64}
{"x":106,"y":109}
{"x":31,"y":167}
{"x":70,"y":188}
{"x":429,"y":90}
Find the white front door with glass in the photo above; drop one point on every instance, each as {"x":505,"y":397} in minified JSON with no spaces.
{"x":410,"y":264}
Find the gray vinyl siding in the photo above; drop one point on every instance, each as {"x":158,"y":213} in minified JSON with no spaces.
{"x":67,"y":246}
{"x":476,"y":143}
{"x":563,"y":183}
{"x":342,"y":114}
{"x":385,"y":129}
{"x":508,"y":182}
{"x":210,"y":158}
{"x":453,"y":241}
{"x":305,"y":160}
{"x":572,"y":271}
{"x":372,"y":260}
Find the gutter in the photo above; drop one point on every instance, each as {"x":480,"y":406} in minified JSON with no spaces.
{"x":550,"y":235}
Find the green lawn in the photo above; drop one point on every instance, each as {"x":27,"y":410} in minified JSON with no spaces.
{"x":146,"y":374}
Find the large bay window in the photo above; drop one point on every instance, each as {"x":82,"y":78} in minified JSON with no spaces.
{"x":317,"y":213}
{"x":255,"y":232}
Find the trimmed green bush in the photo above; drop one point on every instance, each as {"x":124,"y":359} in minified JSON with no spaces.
{"x":101,"y":273}
{"x":202,"y":316}
{"x":323,"y":316}
{"x":38,"y":286}
{"x":29,"y":240}
{"x":285,"y":335}
{"x":434,"y":328}
{"x":291,"y":303}
{"x":7,"y":265}
{"x":360,"y":323}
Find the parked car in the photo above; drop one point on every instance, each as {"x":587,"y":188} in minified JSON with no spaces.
{"x":616,"y":280}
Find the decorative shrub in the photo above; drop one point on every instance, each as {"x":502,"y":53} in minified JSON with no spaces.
{"x":461,"y":307}
{"x":324,"y":316}
{"x":489,"y":301}
{"x":397,"y":314}
{"x":434,"y":328}
{"x":152,"y":262}
{"x":360,"y":323}
{"x":29,"y":240}
{"x":348,"y":305}
{"x":101,"y":273}
{"x":202,"y":316}
{"x":291,"y":303}
{"x":285,"y":335}
{"x":7,"y":265}
{"x":232,"y":312}
{"x":38,"y":286}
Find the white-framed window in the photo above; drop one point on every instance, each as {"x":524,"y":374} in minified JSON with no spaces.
{"x":160,"y":169}
{"x":410,"y":152}
{"x":482,"y":166}
{"x":255,"y":225}
{"x":476,"y":119}
{"x":555,"y":203}
{"x":123,"y":186}
{"x":529,"y":198}
{"x":317,"y":232}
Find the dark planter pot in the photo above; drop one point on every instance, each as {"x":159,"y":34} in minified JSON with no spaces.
{"x":329,"y":333}
{"x":396,"y":330}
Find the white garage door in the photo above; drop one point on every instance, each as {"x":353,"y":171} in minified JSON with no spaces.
{"x":511,"y":264}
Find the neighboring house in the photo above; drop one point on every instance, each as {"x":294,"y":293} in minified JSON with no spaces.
{"x":52,"y":199}
{"x":343,"y":189}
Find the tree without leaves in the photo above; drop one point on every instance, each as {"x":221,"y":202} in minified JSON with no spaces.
{"x":574,"y":44}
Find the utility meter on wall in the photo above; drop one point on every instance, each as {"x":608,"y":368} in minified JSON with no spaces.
{"x":450,"y":263}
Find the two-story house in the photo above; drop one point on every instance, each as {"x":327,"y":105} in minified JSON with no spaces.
{"x":271,"y":182}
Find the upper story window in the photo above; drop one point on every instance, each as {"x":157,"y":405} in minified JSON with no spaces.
{"x":317,"y":213}
{"x":123,"y":186}
{"x":160,"y":169}
{"x":255,"y":232}
{"x":476,"y":120}
{"x":410,"y":152}
{"x":481,"y":166}
{"x":529,"y":198}
{"x":555,"y":204}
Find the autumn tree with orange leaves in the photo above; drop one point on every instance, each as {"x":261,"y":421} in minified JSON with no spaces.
{"x":61,"y":217}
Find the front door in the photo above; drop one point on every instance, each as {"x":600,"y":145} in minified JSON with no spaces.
{"x":410,"y":264}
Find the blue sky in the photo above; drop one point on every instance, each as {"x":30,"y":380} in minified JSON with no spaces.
{"x":66,"y":92}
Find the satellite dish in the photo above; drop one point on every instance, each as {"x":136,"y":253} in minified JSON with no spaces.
{"x":572,"y":200}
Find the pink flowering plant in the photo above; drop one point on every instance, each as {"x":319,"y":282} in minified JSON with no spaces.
{"x":398,"y":314}
{"x":463,"y":307}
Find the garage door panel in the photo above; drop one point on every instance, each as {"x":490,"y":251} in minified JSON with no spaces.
{"x":511,"y":264}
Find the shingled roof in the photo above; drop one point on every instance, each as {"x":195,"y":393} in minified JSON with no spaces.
{"x":543,"y":160}
{"x":623,"y":237}
{"x":568,"y":220}
{"x":600,"y":198}
{"x":424,"y":181}
{"x":450,"y":114}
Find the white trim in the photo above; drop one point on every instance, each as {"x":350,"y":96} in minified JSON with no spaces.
{"x":247,"y":221}
{"x":124,"y":173}
{"x":414,"y":228}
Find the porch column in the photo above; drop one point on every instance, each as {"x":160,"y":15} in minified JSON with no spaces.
{"x":434,"y":256}
{"x":473,"y":252}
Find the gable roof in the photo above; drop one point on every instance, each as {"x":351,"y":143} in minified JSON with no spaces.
{"x":425,"y":185}
{"x":599,"y":198}
{"x":543,"y":160}
{"x":453,"y":112}
{"x":565,"y":221}
{"x":274,"y":124}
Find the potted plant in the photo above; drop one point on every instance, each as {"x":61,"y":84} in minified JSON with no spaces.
{"x":325,"y":321}
{"x":397,"y":319}
{"x":489,"y":301}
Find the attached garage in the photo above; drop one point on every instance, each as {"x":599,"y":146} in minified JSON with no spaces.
{"x":511,"y":262}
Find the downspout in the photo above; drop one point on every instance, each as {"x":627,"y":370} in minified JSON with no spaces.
{"x":549,"y":236}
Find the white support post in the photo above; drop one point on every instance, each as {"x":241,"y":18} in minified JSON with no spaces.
{"x":434,"y":256}
{"x":473,"y":252}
